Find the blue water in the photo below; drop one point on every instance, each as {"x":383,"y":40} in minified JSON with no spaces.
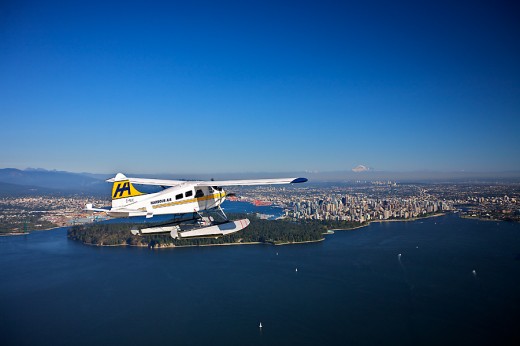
{"x":351,"y":288}
{"x":242,"y":207}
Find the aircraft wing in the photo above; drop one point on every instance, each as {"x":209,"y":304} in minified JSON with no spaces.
{"x":145,"y":181}
{"x":167,"y":182}
{"x":251,"y":182}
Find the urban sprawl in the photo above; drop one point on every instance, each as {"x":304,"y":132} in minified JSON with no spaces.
{"x":356,"y":202}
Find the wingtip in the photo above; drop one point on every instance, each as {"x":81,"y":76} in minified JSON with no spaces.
{"x":299,"y":180}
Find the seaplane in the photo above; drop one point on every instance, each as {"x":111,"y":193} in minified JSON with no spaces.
{"x":195,"y":206}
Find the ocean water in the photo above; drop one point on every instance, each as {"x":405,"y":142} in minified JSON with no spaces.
{"x":242,"y":207}
{"x":351,"y":289}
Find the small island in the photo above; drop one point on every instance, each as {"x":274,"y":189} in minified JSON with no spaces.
{"x":275,"y":232}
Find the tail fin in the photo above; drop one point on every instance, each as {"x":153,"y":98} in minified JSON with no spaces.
{"x":123,"y":188}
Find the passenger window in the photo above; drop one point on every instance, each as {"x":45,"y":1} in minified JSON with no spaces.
{"x":189,"y":193}
{"x":199,"y":193}
{"x":179,"y":196}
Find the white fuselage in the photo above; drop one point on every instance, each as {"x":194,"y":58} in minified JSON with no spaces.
{"x":180,"y":199}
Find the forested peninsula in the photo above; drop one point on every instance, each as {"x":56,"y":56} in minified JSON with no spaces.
{"x":276,"y":232}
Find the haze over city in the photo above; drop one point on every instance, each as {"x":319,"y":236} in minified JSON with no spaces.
{"x":207,"y":87}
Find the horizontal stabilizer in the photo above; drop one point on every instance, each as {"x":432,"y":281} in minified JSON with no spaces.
{"x":90,"y":208}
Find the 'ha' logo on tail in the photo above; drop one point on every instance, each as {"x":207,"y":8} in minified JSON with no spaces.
{"x":123,"y":188}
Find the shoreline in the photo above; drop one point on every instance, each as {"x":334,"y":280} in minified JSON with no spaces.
{"x":171,"y":246}
{"x":410,"y":219}
{"x":348,"y":229}
{"x":299,"y":242}
{"x":388,"y":220}
{"x":8,"y":234}
{"x":29,"y":232}
{"x":483,"y":219}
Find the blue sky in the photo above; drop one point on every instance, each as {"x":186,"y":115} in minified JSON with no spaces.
{"x":212,"y":87}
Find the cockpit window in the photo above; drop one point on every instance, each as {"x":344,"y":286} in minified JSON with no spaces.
{"x":199,"y":193}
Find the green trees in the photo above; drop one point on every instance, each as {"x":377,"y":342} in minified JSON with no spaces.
{"x":262,"y":231}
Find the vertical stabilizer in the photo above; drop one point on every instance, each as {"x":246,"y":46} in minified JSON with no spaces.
{"x":123,"y":188}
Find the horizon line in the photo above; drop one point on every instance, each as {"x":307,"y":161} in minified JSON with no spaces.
{"x":431,"y":171}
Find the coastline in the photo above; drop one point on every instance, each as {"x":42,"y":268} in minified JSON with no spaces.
{"x":29,"y":232}
{"x":483,"y":219}
{"x":298,"y":242}
{"x":349,"y":229}
{"x":410,"y":219}
{"x":8,"y":234}
{"x":388,"y":220}
{"x":170,"y":246}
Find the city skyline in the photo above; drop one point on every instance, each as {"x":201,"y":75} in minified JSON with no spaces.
{"x":240,"y":87}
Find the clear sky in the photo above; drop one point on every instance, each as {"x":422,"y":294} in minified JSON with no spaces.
{"x":188,"y":86}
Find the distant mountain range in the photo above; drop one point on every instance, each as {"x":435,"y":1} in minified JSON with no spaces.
{"x":11,"y":190}
{"x":41,"y":181}
{"x":50,"y":182}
